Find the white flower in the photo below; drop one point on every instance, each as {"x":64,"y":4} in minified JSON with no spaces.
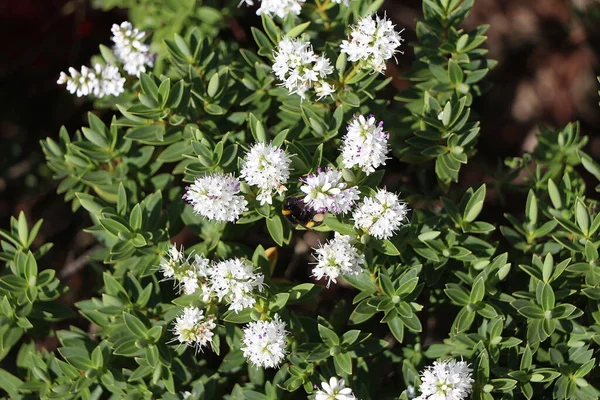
{"x":334,"y":390}
{"x":381,"y":214}
{"x":323,"y":89}
{"x":365,"y":145}
{"x":446,"y":380}
{"x":298,"y":67}
{"x":190,"y":276}
{"x":374,"y":40}
{"x":281,"y":8}
{"x":175,"y":259}
{"x":215,"y":197}
{"x":264,"y":342}
{"x":130,"y":49}
{"x":186,"y":395}
{"x":102,"y":80}
{"x":193,"y":329}
{"x":235,"y":280}
{"x":337,"y":257}
{"x":327,"y":192}
{"x":267,"y":167}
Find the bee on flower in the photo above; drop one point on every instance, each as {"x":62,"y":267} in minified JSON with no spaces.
{"x":326,"y":191}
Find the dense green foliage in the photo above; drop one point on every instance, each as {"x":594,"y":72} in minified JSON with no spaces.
{"x":522,"y":295}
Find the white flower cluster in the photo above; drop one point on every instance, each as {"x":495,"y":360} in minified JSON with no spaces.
{"x":281,"y":8}
{"x":235,"y":281}
{"x":328,"y":192}
{"x":446,"y":380}
{"x":215,"y":196}
{"x":337,"y":257}
{"x":334,"y":390}
{"x":130,"y":49}
{"x":381,"y":214}
{"x":365,"y":145}
{"x":193,"y":328}
{"x":267,"y":167}
{"x":373,"y":40}
{"x":300,"y":69}
{"x":100,"y":81}
{"x":191,"y":276}
{"x":264,"y":342}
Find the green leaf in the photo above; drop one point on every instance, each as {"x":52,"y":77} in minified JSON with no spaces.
{"x":582,"y":217}
{"x":135,"y":219}
{"x":526,"y":359}
{"x":343,"y":364}
{"x":328,"y":336}
{"x":233,"y":360}
{"x":213,"y":85}
{"x":397,"y":328}
{"x":13,"y":283}
{"x":455,"y":73}
{"x":271,"y":29}
{"x":241,"y":317}
{"x":478,"y":290}
{"x":148,"y":86}
{"x":135,"y":326}
{"x":349,"y":99}
{"x":10,"y":384}
{"x":554,"y":194}
{"x":297,"y":30}
{"x":547,"y":297}
{"x":387,"y":285}
{"x":475,"y":204}
{"x":22,"y":229}
{"x":531,"y":209}
{"x":275,"y":228}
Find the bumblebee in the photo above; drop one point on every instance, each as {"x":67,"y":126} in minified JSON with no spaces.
{"x":298,"y":213}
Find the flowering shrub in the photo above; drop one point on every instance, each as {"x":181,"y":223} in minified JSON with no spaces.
{"x":254,"y":148}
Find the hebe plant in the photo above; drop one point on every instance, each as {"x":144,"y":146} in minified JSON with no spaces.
{"x":516,"y":303}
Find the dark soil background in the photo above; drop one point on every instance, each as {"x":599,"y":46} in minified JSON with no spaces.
{"x":548,"y":62}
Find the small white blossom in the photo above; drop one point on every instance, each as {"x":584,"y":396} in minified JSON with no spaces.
{"x":100,"y":81}
{"x":130,"y":49}
{"x":193,"y":328}
{"x":236,"y":281}
{"x":446,"y":380}
{"x":381,"y":214}
{"x":337,"y":257}
{"x":324,"y":89}
{"x":267,"y":167}
{"x":264,"y":342}
{"x":190,"y":276}
{"x":373,"y":40}
{"x":215,"y":196}
{"x":334,"y":390}
{"x":327,"y":192}
{"x":365,"y":145}
{"x":298,"y":67}
{"x":281,"y":8}
{"x":186,"y":395}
